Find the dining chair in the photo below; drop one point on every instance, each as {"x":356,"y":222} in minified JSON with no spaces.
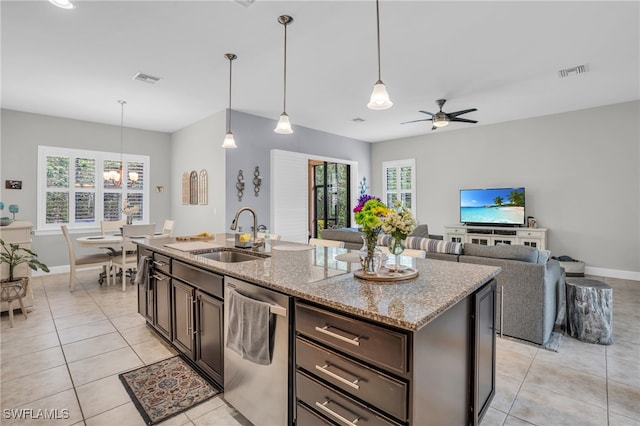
{"x":83,"y":262}
{"x":111,"y":226}
{"x":126,"y":263}
{"x":271,"y":236}
{"x":326,"y":243}
{"x":167,"y":228}
{"x":406,"y":252}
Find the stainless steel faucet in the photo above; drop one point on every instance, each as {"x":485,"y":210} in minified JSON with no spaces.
{"x":234,"y":225}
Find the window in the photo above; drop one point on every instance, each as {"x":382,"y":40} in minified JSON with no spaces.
{"x":399,"y":179}
{"x":81,"y":188}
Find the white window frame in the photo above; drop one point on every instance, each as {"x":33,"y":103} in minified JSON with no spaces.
{"x":100,"y":157}
{"x":398,"y":164}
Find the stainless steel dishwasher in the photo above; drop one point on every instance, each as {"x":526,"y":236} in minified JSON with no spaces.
{"x":262,"y":393}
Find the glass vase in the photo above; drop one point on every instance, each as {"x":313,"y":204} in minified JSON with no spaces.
{"x":396,"y":247}
{"x":370,"y":254}
{"x":130,"y":219}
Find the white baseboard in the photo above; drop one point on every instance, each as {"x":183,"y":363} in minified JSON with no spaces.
{"x":612,"y":273}
{"x":61,"y":269}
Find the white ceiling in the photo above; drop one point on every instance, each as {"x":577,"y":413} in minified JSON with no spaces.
{"x":501,"y":57}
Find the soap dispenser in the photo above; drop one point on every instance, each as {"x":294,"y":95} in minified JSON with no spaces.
{"x":267,"y":241}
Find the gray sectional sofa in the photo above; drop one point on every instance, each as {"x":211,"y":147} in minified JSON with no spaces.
{"x":531,"y":286}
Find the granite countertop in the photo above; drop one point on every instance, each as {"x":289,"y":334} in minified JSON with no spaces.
{"x":314,"y":274}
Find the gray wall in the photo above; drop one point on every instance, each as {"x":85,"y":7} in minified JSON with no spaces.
{"x":255,"y":139}
{"x":197,"y":147}
{"x":580,"y":170}
{"x":23,"y":132}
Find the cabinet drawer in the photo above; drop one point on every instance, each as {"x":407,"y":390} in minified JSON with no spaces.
{"x":530,"y":234}
{"x":372,"y":343}
{"x":162,"y":263}
{"x":455,"y":230}
{"x":204,"y":280}
{"x":365,"y":383}
{"x":308,"y":417}
{"x":337,"y":407}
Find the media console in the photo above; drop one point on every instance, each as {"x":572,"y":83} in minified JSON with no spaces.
{"x":492,"y":235}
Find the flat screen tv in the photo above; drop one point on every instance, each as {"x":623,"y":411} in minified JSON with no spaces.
{"x":492,"y":206}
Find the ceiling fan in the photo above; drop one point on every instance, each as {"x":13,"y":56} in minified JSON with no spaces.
{"x":441,"y":118}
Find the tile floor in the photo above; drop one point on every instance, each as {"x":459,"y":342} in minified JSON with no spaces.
{"x":67,"y":355}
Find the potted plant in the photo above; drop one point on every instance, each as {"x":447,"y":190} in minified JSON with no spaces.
{"x":14,"y":255}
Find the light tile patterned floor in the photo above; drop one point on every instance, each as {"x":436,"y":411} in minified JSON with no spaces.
{"x":68,"y":353}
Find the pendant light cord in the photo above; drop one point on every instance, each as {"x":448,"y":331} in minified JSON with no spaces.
{"x":284,"y":98}
{"x":378,"y":31}
{"x":229,"y":115}
{"x":122,"y":102}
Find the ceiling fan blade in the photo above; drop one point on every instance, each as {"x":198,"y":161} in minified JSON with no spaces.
{"x":462,"y":120}
{"x":427,"y":112}
{"x":415,"y":121}
{"x":464,"y":111}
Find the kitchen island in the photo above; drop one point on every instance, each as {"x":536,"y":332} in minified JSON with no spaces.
{"x":420,"y":351}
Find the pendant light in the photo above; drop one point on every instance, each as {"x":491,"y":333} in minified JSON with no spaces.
{"x":379,"y":97}
{"x":284,"y":124}
{"x":229,"y":140}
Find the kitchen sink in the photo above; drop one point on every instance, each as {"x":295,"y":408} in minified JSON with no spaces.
{"x":231,"y":256}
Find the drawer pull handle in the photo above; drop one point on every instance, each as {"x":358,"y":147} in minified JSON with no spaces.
{"x":324,"y":369}
{"x":329,"y":411}
{"x":325,"y":330}
{"x":156,"y":263}
{"x":158,"y":277}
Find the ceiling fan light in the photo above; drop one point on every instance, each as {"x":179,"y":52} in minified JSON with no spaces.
{"x":229,"y":141}
{"x":284,"y":125}
{"x":379,"y":97}
{"x":133,"y":176}
{"x":440,"y":122}
{"x":63,"y":4}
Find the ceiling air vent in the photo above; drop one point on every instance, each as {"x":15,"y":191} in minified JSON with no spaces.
{"x":580,"y":69}
{"x":146,"y":78}
{"x":245,"y":3}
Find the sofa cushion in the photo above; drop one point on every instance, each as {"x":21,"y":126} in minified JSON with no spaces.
{"x":426,"y":244}
{"x":503,"y":251}
{"x":543,"y":256}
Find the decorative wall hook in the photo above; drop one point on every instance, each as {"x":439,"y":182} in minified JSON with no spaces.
{"x":257,"y":181}
{"x":240,"y":185}
{"x":363,"y":186}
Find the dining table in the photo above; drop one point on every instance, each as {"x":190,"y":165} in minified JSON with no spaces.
{"x":117,"y":243}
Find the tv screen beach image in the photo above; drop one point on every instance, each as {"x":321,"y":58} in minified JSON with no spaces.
{"x":492,"y":206}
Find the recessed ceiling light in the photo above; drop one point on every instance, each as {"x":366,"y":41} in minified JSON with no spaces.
{"x":573,"y":70}
{"x":64,"y":4}
{"x":146,"y":78}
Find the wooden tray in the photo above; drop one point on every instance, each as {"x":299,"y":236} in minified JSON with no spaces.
{"x":194,"y":238}
{"x":387,"y":275}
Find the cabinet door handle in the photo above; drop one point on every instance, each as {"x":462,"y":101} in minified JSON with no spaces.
{"x":158,"y":277}
{"x":195,"y":305}
{"x":325,"y":330}
{"x":325,"y":369}
{"x":156,"y":263}
{"x":188,"y":311}
{"x":329,"y":411}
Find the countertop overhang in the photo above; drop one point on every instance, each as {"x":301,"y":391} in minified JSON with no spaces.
{"x":315,"y":275}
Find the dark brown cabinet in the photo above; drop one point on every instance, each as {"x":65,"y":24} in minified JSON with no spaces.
{"x":182,"y":316}
{"x":350,"y":370}
{"x":161,"y":285}
{"x":485,"y":350}
{"x":209,"y":335}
